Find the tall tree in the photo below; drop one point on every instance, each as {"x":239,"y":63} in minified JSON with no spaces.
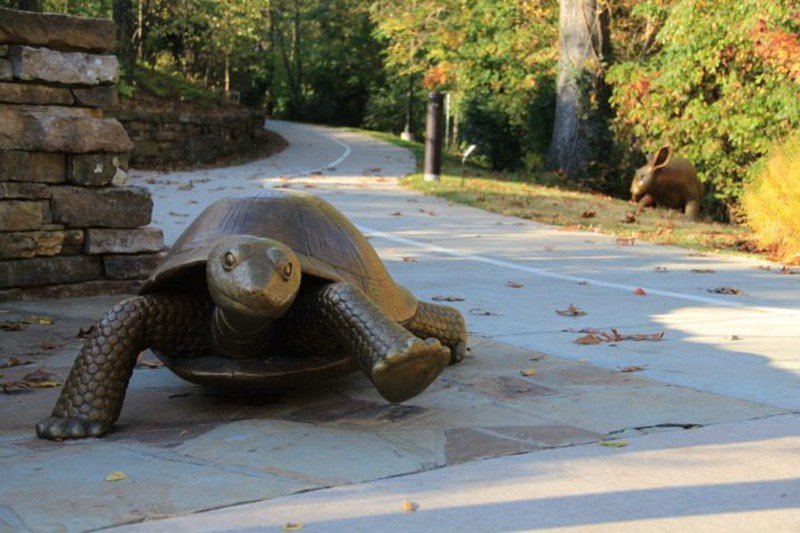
{"x":579,"y":120}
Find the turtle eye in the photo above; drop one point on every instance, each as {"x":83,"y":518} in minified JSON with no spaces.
{"x":229,"y":261}
{"x":287,"y":271}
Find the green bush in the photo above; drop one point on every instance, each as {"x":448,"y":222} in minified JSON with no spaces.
{"x":721,"y":88}
{"x":772,"y":201}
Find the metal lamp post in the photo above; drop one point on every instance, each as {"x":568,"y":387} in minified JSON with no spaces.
{"x":433,"y":137}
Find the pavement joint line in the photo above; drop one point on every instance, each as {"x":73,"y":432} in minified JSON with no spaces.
{"x":564,"y":277}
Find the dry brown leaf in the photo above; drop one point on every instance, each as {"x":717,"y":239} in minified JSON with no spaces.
{"x":588,"y":214}
{"x":36,"y":319}
{"x":727,"y":290}
{"x":14,"y":361}
{"x":186,"y":186}
{"x":409,"y":260}
{"x":571,"y":310}
{"x":47,"y":345}
{"x":144,"y":362}
{"x":440,"y":298}
{"x":11,"y":326}
{"x":396,"y":214}
{"x":531,"y":371}
{"x":176,"y":214}
{"x":630,"y":217}
{"x":514,"y":285}
{"x":626,"y":241}
{"x":409,"y":506}
{"x":481,"y":312}
{"x":632,"y":368}
{"x":13,"y":386}
{"x":703,"y":270}
{"x":589,"y":338}
{"x":310,"y":186}
{"x":660,"y":269}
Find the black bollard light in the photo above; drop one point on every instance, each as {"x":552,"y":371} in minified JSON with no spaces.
{"x":433,"y":137}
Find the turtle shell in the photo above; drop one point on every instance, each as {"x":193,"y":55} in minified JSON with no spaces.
{"x":327,"y":245}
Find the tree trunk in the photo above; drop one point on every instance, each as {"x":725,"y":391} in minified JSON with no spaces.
{"x":123,"y":18}
{"x":579,"y":121}
{"x":28,"y":5}
{"x":408,"y":131}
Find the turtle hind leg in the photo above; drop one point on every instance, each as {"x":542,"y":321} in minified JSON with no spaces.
{"x":443,"y":323}
{"x":92,"y":396}
{"x":399,"y":364}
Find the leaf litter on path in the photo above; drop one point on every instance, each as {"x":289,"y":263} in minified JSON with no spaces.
{"x":572,"y":311}
{"x":38,"y":379}
{"x":598,"y":337}
{"x":727,"y":290}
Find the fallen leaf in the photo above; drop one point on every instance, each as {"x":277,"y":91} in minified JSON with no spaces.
{"x":13,"y":361}
{"x":13,"y":386}
{"x":183,"y":433}
{"x":583,"y":283}
{"x":528,"y":372}
{"x":514,"y":285}
{"x":186,"y":186}
{"x":588,"y":214}
{"x":35,"y":319}
{"x":764,"y":267}
{"x":41,"y":379}
{"x":11,"y":326}
{"x":727,"y":290}
{"x":735,"y":338}
{"x":786,"y":270}
{"x":409,"y":506}
{"x":409,"y":260}
{"x":481,"y":312}
{"x":633,"y":368}
{"x":703,"y":270}
{"x":396,"y":214}
{"x":309,"y":186}
{"x":117,"y":475}
{"x":613,"y":443}
{"x":175,"y":214}
{"x":589,"y":338}
{"x":549,"y":248}
{"x":292,"y":526}
{"x":626,"y":241}
{"x":660,"y":269}
{"x":583,"y":360}
{"x":640,"y":291}
{"x":630,"y":217}
{"x":571,"y":310}
{"x":697,"y":254}
{"x":144,"y":362}
{"x":47,"y":345}
{"x":440,"y":298}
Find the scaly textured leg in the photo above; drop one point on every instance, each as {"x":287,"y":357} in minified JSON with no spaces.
{"x":91,"y":399}
{"x":399,"y":364}
{"x":443,"y":323}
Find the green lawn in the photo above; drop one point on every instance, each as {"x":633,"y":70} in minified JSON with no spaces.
{"x":546,"y":198}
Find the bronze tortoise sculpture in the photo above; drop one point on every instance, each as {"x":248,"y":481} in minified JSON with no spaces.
{"x":269,"y":292}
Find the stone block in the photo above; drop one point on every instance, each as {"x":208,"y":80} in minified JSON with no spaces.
{"x":108,"y":207}
{"x":24,"y":191}
{"x":21,"y":215}
{"x":60,"y":129}
{"x":95,"y":169}
{"x":123,"y":241}
{"x":146,"y":148}
{"x":37,"y":167}
{"x":73,"y":290}
{"x":6,"y":72}
{"x":21,"y":93}
{"x":49,"y":270}
{"x":16,"y":245}
{"x":56,"y":31}
{"x":68,"y":68}
{"x":102,"y":96}
{"x":131,"y":266}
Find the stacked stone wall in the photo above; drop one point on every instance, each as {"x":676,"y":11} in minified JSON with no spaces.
{"x":68,"y":224}
{"x":166,"y":137}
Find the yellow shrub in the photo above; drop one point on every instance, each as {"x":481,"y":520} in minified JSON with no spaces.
{"x":772,"y":201}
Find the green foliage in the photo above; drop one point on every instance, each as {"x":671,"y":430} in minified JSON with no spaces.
{"x":772,"y":201}
{"x":713,"y":90}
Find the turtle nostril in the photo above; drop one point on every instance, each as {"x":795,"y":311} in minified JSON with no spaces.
{"x":228,"y":261}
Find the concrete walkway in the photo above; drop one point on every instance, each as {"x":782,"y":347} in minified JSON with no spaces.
{"x":709,"y":423}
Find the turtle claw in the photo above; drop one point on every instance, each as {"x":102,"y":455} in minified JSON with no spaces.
{"x":57,"y":428}
{"x":409,"y":368}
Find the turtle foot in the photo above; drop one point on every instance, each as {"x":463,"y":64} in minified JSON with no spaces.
{"x":57,"y":428}
{"x":409,"y":368}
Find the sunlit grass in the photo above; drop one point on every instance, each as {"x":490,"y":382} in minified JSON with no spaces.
{"x":544,"y":197}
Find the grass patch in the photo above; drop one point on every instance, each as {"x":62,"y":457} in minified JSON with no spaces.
{"x":545,"y":197}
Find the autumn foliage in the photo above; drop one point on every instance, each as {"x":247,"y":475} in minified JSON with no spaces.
{"x":772,"y":201}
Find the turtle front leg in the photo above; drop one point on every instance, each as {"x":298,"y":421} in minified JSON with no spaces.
{"x":91,"y":399}
{"x":443,"y":323}
{"x":399,"y":364}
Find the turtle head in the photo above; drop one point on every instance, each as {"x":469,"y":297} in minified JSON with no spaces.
{"x":253,"y":276}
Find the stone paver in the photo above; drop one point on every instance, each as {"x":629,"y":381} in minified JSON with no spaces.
{"x":186,"y":450}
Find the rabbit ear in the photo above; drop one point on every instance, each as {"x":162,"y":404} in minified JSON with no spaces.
{"x":662,"y":157}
